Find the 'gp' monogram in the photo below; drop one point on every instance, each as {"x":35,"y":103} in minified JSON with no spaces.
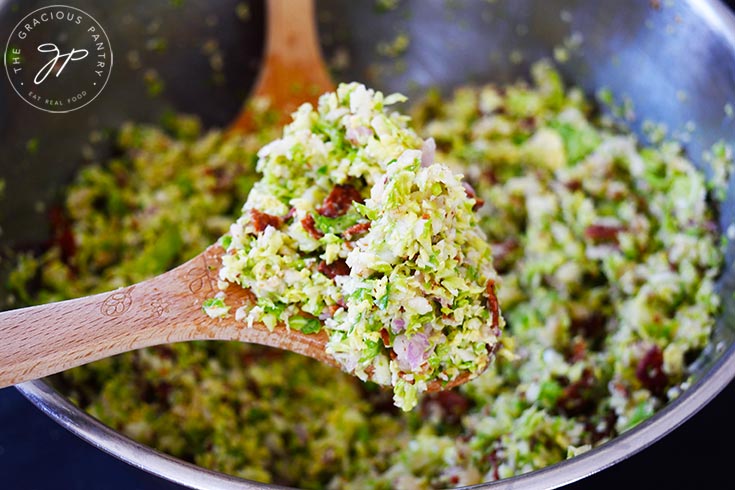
{"x":73,"y":55}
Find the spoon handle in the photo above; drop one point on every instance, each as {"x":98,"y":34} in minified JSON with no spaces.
{"x":294,"y":71}
{"x":46,"y":339}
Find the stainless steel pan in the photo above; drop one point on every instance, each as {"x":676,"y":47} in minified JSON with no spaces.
{"x":675,"y":60}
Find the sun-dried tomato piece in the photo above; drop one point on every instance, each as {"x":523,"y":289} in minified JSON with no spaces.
{"x":494,"y":461}
{"x":492,"y":302}
{"x":261,"y":221}
{"x":650,"y":371}
{"x":490,"y":176}
{"x":578,"y":397}
{"x":470,"y":191}
{"x":600,"y":428}
{"x":527,"y":123}
{"x":578,"y":350}
{"x":332,"y":309}
{"x":356,"y":231}
{"x":450,"y":404}
{"x":337,"y":268}
{"x":339,"y":201}
{"x":310,"y":226}
{"x":385,"y":336}
{"x":603,"y":233}
{"x":590,"y":327}
{"x":63,"y":236}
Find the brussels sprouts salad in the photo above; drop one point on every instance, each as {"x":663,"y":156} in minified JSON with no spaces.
{"x":354,"y":229}
{"x":606,"y":253}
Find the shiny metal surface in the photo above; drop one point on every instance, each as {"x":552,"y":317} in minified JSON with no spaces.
{"x":676,"y":63}
{"x":165,"y":61}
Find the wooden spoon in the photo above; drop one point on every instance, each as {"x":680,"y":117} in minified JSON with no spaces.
{"x":44,"y":340}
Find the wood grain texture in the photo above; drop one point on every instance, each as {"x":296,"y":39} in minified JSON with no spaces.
{"x":43,"y":340}
{"x":294,"y":70}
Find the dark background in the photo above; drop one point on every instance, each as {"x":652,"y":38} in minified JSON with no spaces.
{"x":37,"y":454}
